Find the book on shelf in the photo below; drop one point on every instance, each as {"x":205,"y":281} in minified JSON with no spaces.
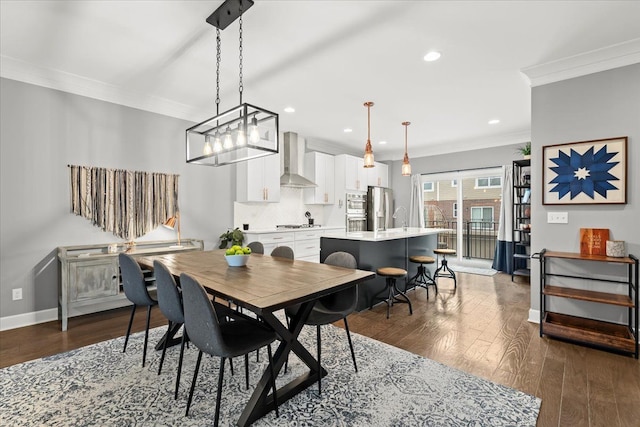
{"x":526,"y":196}
{"x":593,"y":241}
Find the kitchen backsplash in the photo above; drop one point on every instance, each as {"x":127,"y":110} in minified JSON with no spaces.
{"x":290,"y":210}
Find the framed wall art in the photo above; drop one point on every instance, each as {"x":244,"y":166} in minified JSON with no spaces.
{"x":587,"y":172}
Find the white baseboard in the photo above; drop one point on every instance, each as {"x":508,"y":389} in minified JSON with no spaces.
{"x":534,"y":316}
{"x":27,"y":319}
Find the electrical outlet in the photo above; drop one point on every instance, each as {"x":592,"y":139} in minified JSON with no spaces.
{"x":557,"y":217}
{"x":17,"y":294}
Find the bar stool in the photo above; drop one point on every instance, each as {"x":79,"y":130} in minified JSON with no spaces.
{"x":444,"y":270}
{"x":391,"y":274}
{"x":422,"y":277}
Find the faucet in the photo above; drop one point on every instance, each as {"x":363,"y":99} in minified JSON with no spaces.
{"x":404,"y":220}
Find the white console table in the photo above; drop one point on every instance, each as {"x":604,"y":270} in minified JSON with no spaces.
{"x":90,"y":274}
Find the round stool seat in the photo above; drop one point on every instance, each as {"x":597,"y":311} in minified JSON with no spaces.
{"x":391,"y":272}
{"x":444,"y":251}
{"x":422,"y":259}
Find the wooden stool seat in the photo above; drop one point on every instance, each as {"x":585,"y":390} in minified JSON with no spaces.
{"x":444,"y":251}
{"x":422,"y":259}
{"x":391,"y":272}
{"x":391,"y":291}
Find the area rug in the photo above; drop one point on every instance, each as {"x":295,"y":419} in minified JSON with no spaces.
{"x":98,"y":385}
{"x":473,"y":270}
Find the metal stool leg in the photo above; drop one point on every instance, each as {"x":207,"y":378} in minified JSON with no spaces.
{"x":445,"y":271}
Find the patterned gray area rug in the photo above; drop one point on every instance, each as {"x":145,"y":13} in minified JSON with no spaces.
{"x":98,"y":385}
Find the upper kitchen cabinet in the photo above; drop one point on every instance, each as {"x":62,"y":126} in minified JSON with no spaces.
{"x":378,"y":176}
{"x":258,"y":180}
{"x":319,"y":168}
{"x":351,"y":170}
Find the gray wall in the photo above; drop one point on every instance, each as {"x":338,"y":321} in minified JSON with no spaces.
{"x":44,"y":130}
{"x":596,"y":106}
{"x":474,"y":159}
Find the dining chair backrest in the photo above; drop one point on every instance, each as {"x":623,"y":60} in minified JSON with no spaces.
{"x":256,"y":247}
{"x":343,"y":301}
{"x":169,"y":298}
{"x":133,"y":283}
{"x":283,"y":252}
{"x":200,"y":318}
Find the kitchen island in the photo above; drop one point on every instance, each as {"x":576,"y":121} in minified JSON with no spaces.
{"x":374,"y":249}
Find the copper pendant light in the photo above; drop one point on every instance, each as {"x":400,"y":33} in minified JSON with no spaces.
{"x":368,"y":151}
{"x":406,"y":166}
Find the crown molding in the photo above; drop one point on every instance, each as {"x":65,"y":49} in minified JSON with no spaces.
{"x":26,"y":72}
{"x":607,"y":58}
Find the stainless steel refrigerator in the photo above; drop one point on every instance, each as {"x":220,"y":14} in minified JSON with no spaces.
{"x":379,"y":208}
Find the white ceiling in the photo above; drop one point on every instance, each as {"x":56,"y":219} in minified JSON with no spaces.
{"x":324,"y":58}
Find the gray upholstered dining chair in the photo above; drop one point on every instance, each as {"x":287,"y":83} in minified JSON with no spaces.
{"x":256,"y":247}
{"x":135,"y":289}
{"x":225,"y":340}
{"x":283,"y":252}
{"x":332,"y":308}
{"x":170,"y":304}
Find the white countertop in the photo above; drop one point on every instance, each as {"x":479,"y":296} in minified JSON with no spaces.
{"x":390,"y":234}
{"x":291,"y":230}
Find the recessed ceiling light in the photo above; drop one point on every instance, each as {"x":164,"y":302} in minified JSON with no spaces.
{"x":348,"y":130}
{"x":494,"y":121}
{"x":289,"y":110}
{"x":382,"y":142}
{"x":432,"y":56}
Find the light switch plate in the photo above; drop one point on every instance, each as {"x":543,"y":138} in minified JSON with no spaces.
{"x":557,"y":217}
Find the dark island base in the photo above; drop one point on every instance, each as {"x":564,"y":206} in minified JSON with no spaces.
{"x":387,"y":253}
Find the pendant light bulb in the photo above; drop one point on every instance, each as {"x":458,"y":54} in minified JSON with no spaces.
{"x":254,"y":133}
{"x":368,"y":151}
{"x":241,"y":139}
{"x":217,"y":143}
{"x":228,"y":142}
{"x":208,"y":149}
{"x":406,"y":166}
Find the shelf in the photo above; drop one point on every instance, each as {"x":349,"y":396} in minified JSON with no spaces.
{"x":595,"y":332}
{"x":601,"y":258}
{"x":585,"y":295}
{"x":522,"y":272}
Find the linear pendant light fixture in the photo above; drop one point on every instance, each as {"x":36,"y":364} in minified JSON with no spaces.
{"x":368,"y":151}
{"x":241,"y":133}
{"x":406,"y":166}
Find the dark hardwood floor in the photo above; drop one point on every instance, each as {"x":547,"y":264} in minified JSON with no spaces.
{"x":482,"y":329}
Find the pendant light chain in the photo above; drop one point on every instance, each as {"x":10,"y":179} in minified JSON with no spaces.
{"x":218,"y":59}
{"x":241,"y":87}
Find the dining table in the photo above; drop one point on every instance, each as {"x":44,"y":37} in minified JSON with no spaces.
{"x":264,"y":286}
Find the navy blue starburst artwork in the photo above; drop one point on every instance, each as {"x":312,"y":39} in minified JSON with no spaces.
{"x":586,"y":173}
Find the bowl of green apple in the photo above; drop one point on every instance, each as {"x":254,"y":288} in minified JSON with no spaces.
{"x":237,"y":256}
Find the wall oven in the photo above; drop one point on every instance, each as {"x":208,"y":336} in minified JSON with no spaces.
{"x":356,"y":212}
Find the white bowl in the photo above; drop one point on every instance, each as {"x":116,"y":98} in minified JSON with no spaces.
{"x":237,"y":260}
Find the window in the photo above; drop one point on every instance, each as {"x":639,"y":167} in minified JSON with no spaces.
{"x":455,"y":210}
{"x":427,"y":186}
{"x":489,"y":182}
{"x":454,"y":182}
{"x":481,"y":217}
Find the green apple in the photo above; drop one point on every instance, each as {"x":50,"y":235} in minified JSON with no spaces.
{"x":246,"y":250}
{"x":230,"y":252}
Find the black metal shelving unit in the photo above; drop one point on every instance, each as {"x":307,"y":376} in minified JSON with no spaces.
{"x":521,"y":231}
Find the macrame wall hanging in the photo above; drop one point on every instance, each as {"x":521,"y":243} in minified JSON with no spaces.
{"x":127,"y":203}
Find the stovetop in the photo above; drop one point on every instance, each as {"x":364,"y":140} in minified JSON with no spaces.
{"x":297,"y":226}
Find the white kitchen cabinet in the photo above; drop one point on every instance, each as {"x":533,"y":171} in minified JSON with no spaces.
{"x":258,"y":180}
{"x":319,"y":168}
{"x":378,"y":176}
{"x":354,"y":172}
{"x":305,"y":242}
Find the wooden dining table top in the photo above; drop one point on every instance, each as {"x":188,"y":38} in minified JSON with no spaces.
{"x":266,"y":283}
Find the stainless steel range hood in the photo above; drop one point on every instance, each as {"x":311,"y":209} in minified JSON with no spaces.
{"x":293,"y":153}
